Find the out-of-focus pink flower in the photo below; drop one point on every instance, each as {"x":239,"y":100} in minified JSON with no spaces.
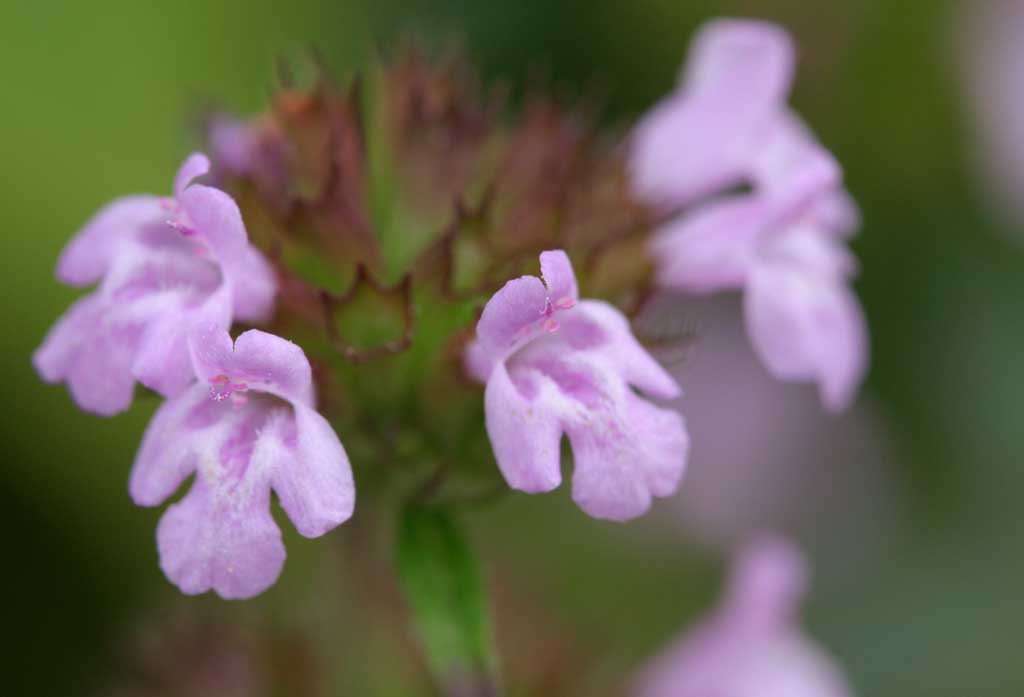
{"x":232,"y":144}
{"x":162,"y":264}
{"x":247,"y":425}
{"x":255,"y":150}
{"x":701,"y":138}
{"x":993,"y":47}
{"x":783,"y":241}
{"x":751,"y":646}
{"x":764,"y":454}
{"x":554,"y":364}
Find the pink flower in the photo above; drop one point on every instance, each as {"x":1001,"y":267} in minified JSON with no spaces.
{"x":783,"y":242}
{"x":554,"y":364}
{"x":991,"y":34}
{"x":699,"y":140}
{"x":232,"y":142}
{"x":246,"y":426}
{"x":161,"y":264}
{"x":765,"y":455}
{"x":751,"y":646}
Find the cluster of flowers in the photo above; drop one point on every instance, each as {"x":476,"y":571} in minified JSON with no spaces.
{"x":730,"y":191}
{"x":751,"y":645}
{"x":174,"y":273}
{"x":741,"y":195}
{"x":781,"y":241}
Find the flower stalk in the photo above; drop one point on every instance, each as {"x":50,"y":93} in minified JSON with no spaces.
{"x":440,"y":578}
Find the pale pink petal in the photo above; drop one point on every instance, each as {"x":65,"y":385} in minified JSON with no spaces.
{"x":519,"y":304}
{"x":212,"y":351}
{"x":779,"y":307}
{"x":215,"y":540}
{"x":274,"y":365}
{"x":993,"y":77}
{"x":713,"y":248}
{"x":637,"y":452}
{"x":217,"y":220}
{"x":194,"y":166}
{"x":525,"y":430}
{"x":791,"y":167}
{"x":806,"y":326}
{"x":617,"y":343}
{"x":98,"y":379}
{"x":807,"y":246}
{"x":708,"y":663}
{"x":60,"y":348}
{"x":221,"y":535}
{"x":254,"y":286}
{"x":168,"y":453}
{"x":231,"y":144}
{"x":837,"y":213}
{"x":704,"y":137}
{"x":262,"y":362}
{"x":768,"y":581}
{"x":521,"y":310}
{"x":89,"y":253}
{"x":130,"y":328}
{"x":624,"y":450}
{"x":313,"y":480}
{"x":556,"y":270}
{"x":510,"y":318}
{"x":91,"y":350}
{"x":682,"y":151}
{"x":479,"y":360}
{"x":162,"y":362}
{"x":747,"y":58}
{"x":751,"y":646}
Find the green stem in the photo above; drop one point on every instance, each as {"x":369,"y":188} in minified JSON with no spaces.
{"x":440,"y":577}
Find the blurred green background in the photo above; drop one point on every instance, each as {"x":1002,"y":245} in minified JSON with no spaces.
{"x":95,"y":103}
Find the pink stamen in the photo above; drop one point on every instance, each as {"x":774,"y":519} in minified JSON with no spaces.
{"x":178,"y":219}
{"x":180,"y":226}
{"x":221,"y":388}
{"x":548,"y":323}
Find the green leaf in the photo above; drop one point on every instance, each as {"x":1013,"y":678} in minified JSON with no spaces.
{"x":441,"y":580}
